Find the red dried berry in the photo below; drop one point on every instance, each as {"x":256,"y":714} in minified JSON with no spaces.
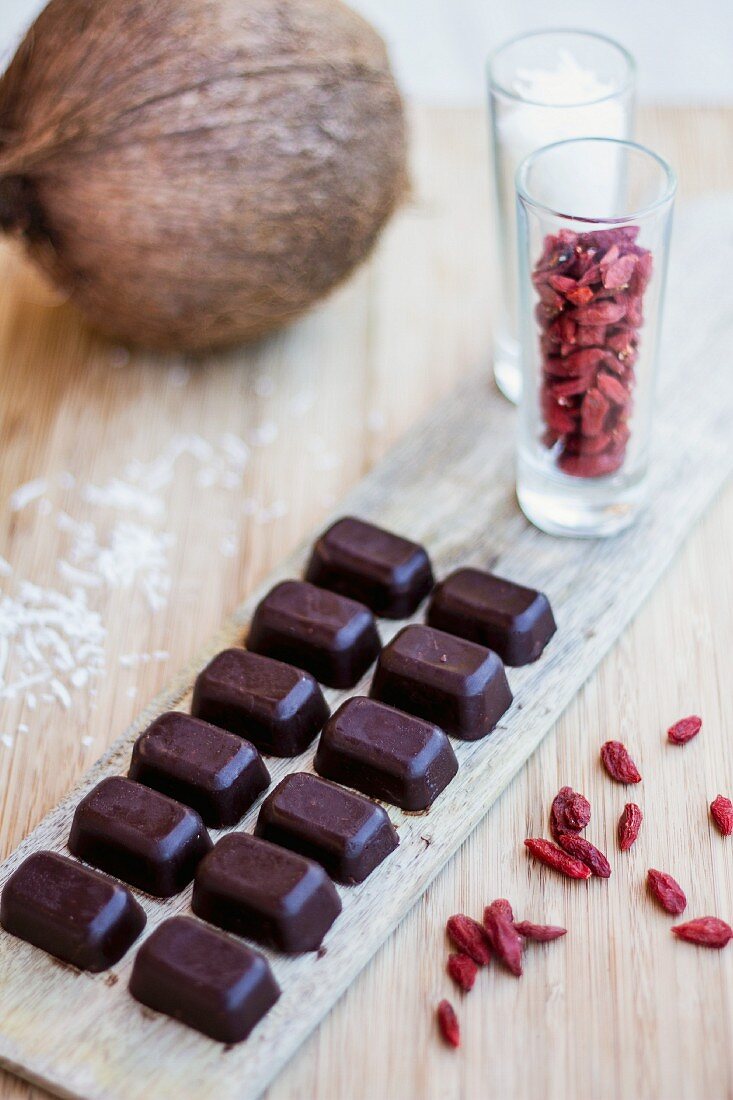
{"x":580,"y":296}
{"x":667,"y":892}
{"x":587,"y":853}
{"x":505,"y":942}
{"x":594,"y":411}
{"x":684,"y":730}
{"x":577,"y":811}
{"x":554,"y":857}
{"x":628,"y":826}
{"x":448,"y":1024}
{"x":469,"y":937}
{"x":540,"y":933}
{"x":618,"y":274}
{"x":463,"y":970}
{"x":617,"y":762}
{"x":721,"y":811}
{"x":609,"y":385}
{"x":501,"y":906}
{"x":705,"y":932}
{"x":570,"y":811}
{"x":600,"y":313}
{"x":591,"y":465}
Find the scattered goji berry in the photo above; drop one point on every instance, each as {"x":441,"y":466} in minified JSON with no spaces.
{"x":684,"y":730}
{"x":617,"y":762}
{"x":587,"y":853}
{"x":540,"y":933}
{"x":502,"y":906}
{"x":448,"y":1024}
{"x":554,"y":857}
{"x":570,"y":812}
{"x":469,"y":937}
{"x":721,"y":811}
{"x":705,"y":931}
{"x":506,"y":943}
{"x":628,"y":825}
{"x":667,"y":891}
{"x":463,"y":970}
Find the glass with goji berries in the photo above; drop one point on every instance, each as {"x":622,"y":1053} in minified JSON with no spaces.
{"x":592,"y":283}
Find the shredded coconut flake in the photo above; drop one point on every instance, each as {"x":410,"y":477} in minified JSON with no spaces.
{"x":26,"y":494}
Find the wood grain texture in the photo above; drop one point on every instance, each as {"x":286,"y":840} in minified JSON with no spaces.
{"x":387,"y":317}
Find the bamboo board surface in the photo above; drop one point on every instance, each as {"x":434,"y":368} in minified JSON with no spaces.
{"x":466,"y":464}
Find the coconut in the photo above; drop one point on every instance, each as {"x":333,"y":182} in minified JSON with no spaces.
{"x":197,"y":172}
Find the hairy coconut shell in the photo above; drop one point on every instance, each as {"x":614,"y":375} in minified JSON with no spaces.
{"x":195,"y":172}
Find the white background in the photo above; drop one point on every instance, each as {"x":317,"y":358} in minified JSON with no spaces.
{"x":684,"y":48}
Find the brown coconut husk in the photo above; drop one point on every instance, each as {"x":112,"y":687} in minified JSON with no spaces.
{"x":196,"y":172}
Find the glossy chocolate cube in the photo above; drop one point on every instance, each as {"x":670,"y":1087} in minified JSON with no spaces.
{"x":329,"y":635}
{"x":139,"y":835}
{"x":349,"y":835}
{"x":265,"y":893}
{"x":388,"y":573}
{"x":459,"y":685}
{"x":516,"y":622}
{"x":70,"y":911}
{"x":280,"y":709}
{"x":386,"y":753}
{"x":216,"y":773}
{"x":203,"y":978}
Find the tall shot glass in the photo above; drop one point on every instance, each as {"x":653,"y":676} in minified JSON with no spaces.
{"x":545,"y":87}
{"x":592,"y":279}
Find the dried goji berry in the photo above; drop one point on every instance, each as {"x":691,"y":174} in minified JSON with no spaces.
{"x":540,"y":933}
{"x":593,"y":412}
{"x":469,"y":937}
{"x":721,"y":811}
{"x":667,"y":891}
{"x":617,"y":762}
{"x":684,"y":730}
{"x":587,"y":853}
{"x":554,"y":857}
{"x":628,"y":825}
{"x":600,"y":313}
{"x":614,"y":389}
{"x":591,"y":465}
{"x":463,"y":970}
{"x":705,"y":931}
{"x":506,"y":943}
{"x":502,"y":906}
{"x":570,"y":811}
{"x":448,"y":1024}
{"x":619,"y":273}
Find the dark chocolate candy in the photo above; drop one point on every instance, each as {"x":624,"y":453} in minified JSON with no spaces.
{"x":266,"y":893}
{"x":331,"y":636}
{"x":280,"y":709}
{"x":139,"y":835}
{"x":388,"y":573}
{"x":457,"y":684}
{"x":70,"y":911}
{"x":346,"y":833}
{"x":386,"y":753}
{"x":516,"y":622}
{"x":204,"y":979}
{"x":216,"y":773}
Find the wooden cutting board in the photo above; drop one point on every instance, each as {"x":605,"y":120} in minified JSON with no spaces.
{"x":617,"y":1009}
{"x":449,"y":484}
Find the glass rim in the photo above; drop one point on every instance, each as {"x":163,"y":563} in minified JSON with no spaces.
{"x":664,"y":199}
{"x":496,"y":85}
